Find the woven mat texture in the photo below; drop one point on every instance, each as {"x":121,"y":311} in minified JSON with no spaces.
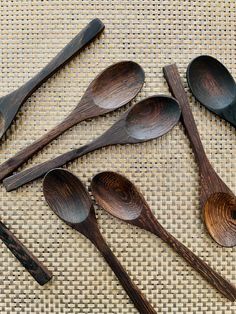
{"x":153,"y":33}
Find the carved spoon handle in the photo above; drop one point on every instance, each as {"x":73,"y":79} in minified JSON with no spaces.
{"x":40,"y":273}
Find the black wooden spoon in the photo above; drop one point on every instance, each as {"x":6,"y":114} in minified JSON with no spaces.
{"x":118,"y":196}
{"x":69,"y":199}
{"x":213,"y":86}
{"x":11,"y":103}
{"x":146,"y":120}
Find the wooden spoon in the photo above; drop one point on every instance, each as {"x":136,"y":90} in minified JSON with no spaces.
{"x":11,"y":103}
{"x":216,"y":199}
{"x":69,"y":199}
{"x":148,"y":119}
{"x":213,"y":86}
{"x":118,"y":196}
{"x":37,"y":270}
{"x":114,"y":87}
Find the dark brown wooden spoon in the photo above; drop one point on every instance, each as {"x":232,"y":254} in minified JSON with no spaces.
{"x":213,"y":86}
{"x":118,"y":196}
{"x":114,"y":87}
{"x":70,"y":201}
{"x":37,"y":270}
{"x":11,"y":103}
{"x":216,"y":199}
{"x":148,"y":119}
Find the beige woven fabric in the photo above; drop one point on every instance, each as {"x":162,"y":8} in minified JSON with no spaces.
{"x":153,"y":33}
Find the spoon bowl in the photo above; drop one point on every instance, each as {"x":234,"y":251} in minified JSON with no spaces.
{"x":119,"y":197}
{"x":70,"y":200}
{"x":213,"y":86}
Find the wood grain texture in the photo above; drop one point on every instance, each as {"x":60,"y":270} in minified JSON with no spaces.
{"x":114,"y":87}
{"x":11,"y":103}
{"x":212,"y":187}
{"x":37,"y":270}
{"x":118,"y":196}
{"x":148,"y":119}
{"x":70,"y":200}
{"x":213,"y":86}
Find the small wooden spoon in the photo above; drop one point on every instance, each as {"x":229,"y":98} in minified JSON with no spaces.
{"x":37,"y":270}
{"x":114,"y":87}
{"x":118,"y":196}
{"x":148,"y":119}
{"x":69,"y":199}
{"x":216,"y":199}
{"x":11,"y":103}
{"x":213,"y":86}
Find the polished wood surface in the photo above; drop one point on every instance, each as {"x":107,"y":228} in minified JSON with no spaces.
{"x":216,"y":198}
{"x":114,"y":87}
{"x":146,"y":120}
{"x":37,"y":270}
{"x":11,"y":103}
{"x":69,"y":199}
{"x":213,"y":86}
{"x":118,"y":196}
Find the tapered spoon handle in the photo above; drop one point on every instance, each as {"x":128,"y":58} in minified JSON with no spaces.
{"x":139,"y":300}
{"x":80,"y":41}
{"x":215,"y":279}
{"x":22,"y":156}
{"x":28,"y":175}
{"x":177,"y":89}
{"x":37,"y":270}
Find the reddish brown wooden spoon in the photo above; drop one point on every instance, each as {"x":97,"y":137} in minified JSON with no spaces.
{"x":217,"y":200}
{"x":69,"y":199}
{"x":148,"y":119}
{"x":114,"y":87}
{"x":11,"y":103}
{"x":118,"y":196}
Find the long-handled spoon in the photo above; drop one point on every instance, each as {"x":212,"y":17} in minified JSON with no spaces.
{"x":10,"y":104}
{"x":37,"y":270}
{"x":118,"y":196}
{"x":148,"y":119}
{"x":213,"y":86}
{"x":217,"y":200}
{"x":114,"y":87}
{"x":69,"y":199}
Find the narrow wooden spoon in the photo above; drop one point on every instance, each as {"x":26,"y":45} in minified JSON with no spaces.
{"x":69,"y":199}
{"x":11,"y":103}
{"x":216,"y":199}
{"x":37,"y":270}
{"x":148,"y":119}
{"x":118,"y":196}
{"x":213,"y":86}
{"x":114,"y":87}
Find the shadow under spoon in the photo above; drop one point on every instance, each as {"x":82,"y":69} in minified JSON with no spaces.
{"x":146,"y":120}
{"x":213,"y":86}
{"x":37,"y":270}
{"x":69,"y":199}
{"x":11,"y":103}
{"x":118,"y":196}
{"x":216,"y":199}
{"x":116,"y":86}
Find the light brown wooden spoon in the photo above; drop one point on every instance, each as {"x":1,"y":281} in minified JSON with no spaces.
{"x":70,"y":201}
{"x":118,"y":196}
{"x":216,"y":199}
{"x":114,"y":87}
{"x":150,"y":118}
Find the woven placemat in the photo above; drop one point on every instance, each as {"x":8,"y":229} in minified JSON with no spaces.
{"x":153,"y":33}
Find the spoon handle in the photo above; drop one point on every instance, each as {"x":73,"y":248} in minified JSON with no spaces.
{"x":176,"y":87}
{"x":28,"y":175}
{"x":215,"y":279}
{"x":139,"y":300}
{"x":81,"y":40}
{"x":40,"y":273}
